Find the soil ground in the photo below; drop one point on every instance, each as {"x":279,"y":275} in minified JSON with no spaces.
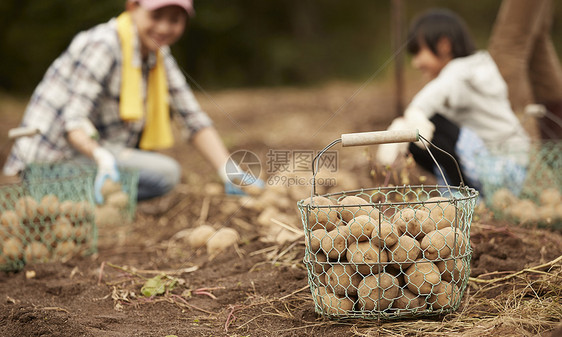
{"x":259,"y":287}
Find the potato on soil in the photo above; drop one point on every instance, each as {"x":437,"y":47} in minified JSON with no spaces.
{"x":502,"y":199}
{"x":442,"y":211}
{"x":109,"y":187}
{"x":200,"y":235}
{"x":422,"y":276}
{"x":26,"y":208}
{"x":525,"y":211}
{"x":361,"y":227}
{"x":440,"y":243}
{"x":550,"y":196}
{"x":321,"y":217}
{"x":385,"y":234}
{"x":49,"y":206}
{"x":377,"y":292}
{"x":409,"y":301}
{"x":332,"y":304}
{"x":36,"y":252}
{"x":405,"y":251}
{"x":118,"y":199}
{"x":222,"y":239}
{"x":414,"y":222}
{"x":334,"y":244}
{"x":444,"y":296}
{"x":343,"y":280}
{"x":348,"y":211}
{"x":13,"y":249}
{"x":452,"y":270}
{"x":108,"y":216}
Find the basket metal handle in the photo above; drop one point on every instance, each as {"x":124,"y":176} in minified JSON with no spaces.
{"x":380,"y":137}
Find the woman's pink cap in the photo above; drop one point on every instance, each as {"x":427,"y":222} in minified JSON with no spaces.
{"x":155,"y":4}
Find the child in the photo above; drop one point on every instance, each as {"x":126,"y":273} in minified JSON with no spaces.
{"x":463,"y":109}
{"x":108,"y":97}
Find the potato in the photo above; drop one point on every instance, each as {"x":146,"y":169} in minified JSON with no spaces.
{"x":421,"y":277}
{"x":343,"y":280}
{"x":67,"y":209}
{"x":83,"y":210}
{"x":200,"y":235}
{"x":444,"y":296}
{"x":321,"y":217}
{"x":442,"y":211}
{"x":109,"y":187}
{"x":502,"y":199}
{"x":62,"y":229}
{"x":439,"y":244}
{"x":49,"y":206}
{"x":36,"y":252}
{"x":550,"y":196}
{"x":377,"y":292}
{"x":414,"y":222}
{"x":315,"y":240}
{"x":319,"y":264}
{"x":223,"y":238}
{"x":65,"y":249}
{"x":348,"y":212}
{"x":119,"y":199}
{"x":11,"y":223}
{"x":13,"y":249}
{"x":26,"y":208}
{"x":404,"y":252}
{"x":334,"y":244}
{"x":409,"y":302}
{"x":363,"y":255}
{"x":525,"y":211}
{"x":385,"y":234}
{"x":108,"y":216}
{"x":332,"y":304}
{"x":82,"y":232}
{"x":452,"y":270}
{"x":361,"y":227}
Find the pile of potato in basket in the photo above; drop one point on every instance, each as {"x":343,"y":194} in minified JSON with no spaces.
{"x":409,"y":258}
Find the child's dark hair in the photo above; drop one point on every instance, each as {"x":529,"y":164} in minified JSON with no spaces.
{"x":429,"y":27}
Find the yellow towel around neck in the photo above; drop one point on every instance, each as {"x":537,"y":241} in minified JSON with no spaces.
{"x":157,"y":133}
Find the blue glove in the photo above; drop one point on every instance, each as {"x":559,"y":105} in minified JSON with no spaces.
{"x":232,"y":189}
{"x":107,"y":169}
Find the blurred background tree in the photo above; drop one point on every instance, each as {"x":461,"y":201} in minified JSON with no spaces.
{"x":237,"y":43}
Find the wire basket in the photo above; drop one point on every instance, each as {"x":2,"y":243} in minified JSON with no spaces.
{"x":120,"y":198}
{"x":387,"y":252}
{"x":530,"y":196}
{"x":46,"y":219}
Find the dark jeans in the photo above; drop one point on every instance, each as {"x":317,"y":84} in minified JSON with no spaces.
{"x":445,"y":137}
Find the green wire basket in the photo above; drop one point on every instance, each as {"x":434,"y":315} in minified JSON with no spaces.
{"x":532,"y":196}
{"x":387,"y":252}
{"x":46,"y":218}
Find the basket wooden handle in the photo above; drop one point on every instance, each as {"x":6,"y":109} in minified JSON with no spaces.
{"x":23,"y":131}
{"x":379,"y":137}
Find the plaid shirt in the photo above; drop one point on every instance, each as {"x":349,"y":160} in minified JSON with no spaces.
{"x":84,"y":83}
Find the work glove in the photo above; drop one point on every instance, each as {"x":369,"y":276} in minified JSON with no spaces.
{"x":416,"y":119}
{"x":387,"y":153}
{"x":237,"y":180}
{"x":107,"y":169}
